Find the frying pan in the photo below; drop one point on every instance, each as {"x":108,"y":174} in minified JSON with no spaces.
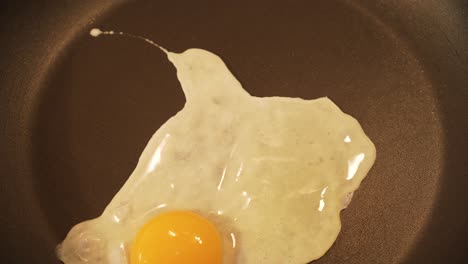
{"x":76,"y":112}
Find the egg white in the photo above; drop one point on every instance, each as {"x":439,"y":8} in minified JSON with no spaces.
{"x":272,"y":173}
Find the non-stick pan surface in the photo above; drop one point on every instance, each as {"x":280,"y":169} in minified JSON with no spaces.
{"x":76,"y":112}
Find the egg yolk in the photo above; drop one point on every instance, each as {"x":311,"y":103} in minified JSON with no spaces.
{"x":177,"y":237}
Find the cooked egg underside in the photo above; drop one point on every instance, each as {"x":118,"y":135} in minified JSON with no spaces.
{"x":271,"y":173}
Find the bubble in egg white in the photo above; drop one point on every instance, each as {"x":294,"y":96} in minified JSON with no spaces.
{"x":271,"y":173}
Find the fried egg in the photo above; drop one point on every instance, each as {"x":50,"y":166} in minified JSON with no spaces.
{"x":230,"y":178}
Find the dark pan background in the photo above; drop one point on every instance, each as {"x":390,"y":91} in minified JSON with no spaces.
{"x":76,"y":112}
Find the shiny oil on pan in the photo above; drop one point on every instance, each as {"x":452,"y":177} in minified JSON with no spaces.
{"x":76,"y":113}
